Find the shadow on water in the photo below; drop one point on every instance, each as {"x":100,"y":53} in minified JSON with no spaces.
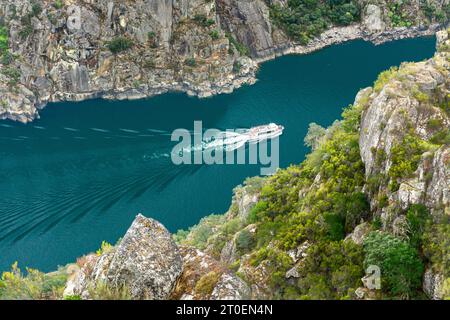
{"x":80,"y":173}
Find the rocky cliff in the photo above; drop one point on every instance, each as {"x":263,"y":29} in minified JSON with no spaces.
{"x":75,"y":50}
{"x":373,"y":193}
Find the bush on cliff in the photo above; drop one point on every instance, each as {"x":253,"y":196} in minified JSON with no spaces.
{"x":14,"y":285}
{"x":120,"y":44}
{"x":302,"y":20}
{"x":399,"y":262}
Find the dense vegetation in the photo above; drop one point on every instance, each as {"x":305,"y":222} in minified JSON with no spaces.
{"x":120,"y":44}
{"x":302,"y":20}
{"x":321,"y":201}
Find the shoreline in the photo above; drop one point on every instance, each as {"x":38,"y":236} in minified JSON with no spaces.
{"x":247,"y":76}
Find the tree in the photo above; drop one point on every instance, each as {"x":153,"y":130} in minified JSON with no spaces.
{"x":314,"y":136}
{"x":401,"y":267}
{"x":120,"y":44}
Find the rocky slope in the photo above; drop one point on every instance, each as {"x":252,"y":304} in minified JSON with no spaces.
{"x":306,"y":232}
{"x":79,"y":49}
{"x":373,"y":192}
{"x":401,"y":129}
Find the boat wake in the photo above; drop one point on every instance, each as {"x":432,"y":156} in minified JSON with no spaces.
{"x":233,"y":140}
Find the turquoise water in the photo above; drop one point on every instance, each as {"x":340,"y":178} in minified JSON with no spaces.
{"x":81,"y":173}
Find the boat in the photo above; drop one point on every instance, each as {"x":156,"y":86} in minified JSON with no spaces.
{"x":230,"y":141}
{"x":264,"y":132}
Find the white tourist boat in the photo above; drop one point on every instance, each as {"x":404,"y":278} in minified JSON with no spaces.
{"x":265,"y":132}
{"x":231,"y":141}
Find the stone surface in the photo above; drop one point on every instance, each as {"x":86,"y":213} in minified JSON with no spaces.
{"x":406,"y":104}
{"x":65,"y":56}
{"x":432,"y":284}
{"x":147,"y":262}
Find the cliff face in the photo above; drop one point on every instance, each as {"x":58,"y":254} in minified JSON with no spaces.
{"x":76,"y":50}
{"x":372,"y":193}
{"x":389,"y":160}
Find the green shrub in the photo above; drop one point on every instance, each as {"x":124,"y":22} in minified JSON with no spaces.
{"x":104,"y":248}
{"x":34,"y":285}
{"x":260,"y":207}
{"x":315,"y":135}
{"x":36,"y":9}
{"x":237,"y":67}
{"x":331,"y":270}
{"x":245,"y":241}
{"x":384,"y":77}
{"x":58,"y":4}
{"x":13,"y":74}
{"x":405,"y":157}
{"x":335,"y":226}
{"x":203,"y":21}
{"x":436,"y":244}
{"x":190,"y":62}
{"x":397,"y":14}
{"x":302,"y":20}
{"x":214,"y":34}
{"x":241,"y":48}
{"x":399,"y":262}
{"x":417,"y":217}
{"x":103,"y":291}
{"x":205,"y":285}
{"x":120,"y":44}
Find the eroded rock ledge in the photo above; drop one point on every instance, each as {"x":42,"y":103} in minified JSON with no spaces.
{"x":147,"y":264}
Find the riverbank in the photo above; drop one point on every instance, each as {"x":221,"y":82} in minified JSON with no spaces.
{"x":88,"y":168}
{"x":202,"y":49}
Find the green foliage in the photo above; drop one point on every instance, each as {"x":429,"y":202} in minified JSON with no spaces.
{"x":200,"y":233}
{"x":417,"y":217}
{"x":36,"y":9}
{"x":384,"y":77}
{"x":241,"y":48}
{"x":103,"y":291}
{"x":191,"y":62}
{"x":245,"y":241}
{"x":405,"y":157}
{"x":237,"y":67}
{"x":105,"y":248}
{"x":214,"y":34}
{"x":205,"y":285}
{"x":436,"y":245}
{"x":302,"y":20}
{"x":397,"y":14}
{"x":58,"y":4}
{"x":335,"y":226}
{"x":14,"y":285}
{"x":314,"y":136}
{"x":120,"y":44}
{"x":331,"y":270}
{"x":203,"y":21}
{"x":3,"y":39}
{"x":27,"y":27}
{"x":442,"y":136}
{"x":399,"y":262}
{"x":13,"y":74}
{"x":261,"y":206}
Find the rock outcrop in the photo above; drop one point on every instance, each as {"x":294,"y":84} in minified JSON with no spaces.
{"x":410,"y":104}
{"x":205,"y":278}
{"x":147,"y":262}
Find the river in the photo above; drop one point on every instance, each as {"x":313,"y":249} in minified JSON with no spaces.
{"x":81,"y":173}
